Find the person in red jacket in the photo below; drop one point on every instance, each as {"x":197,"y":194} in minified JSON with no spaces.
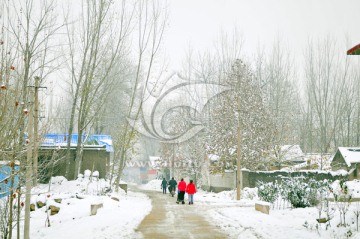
{"x":181,"y":188}
{"x":191,"y":190}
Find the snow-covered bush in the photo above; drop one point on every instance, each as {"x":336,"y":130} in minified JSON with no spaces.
{"x":319,"y":191}
{"x":304,"y":194}
{"x":58,"y":180}
{"x":294,"y":190}
{"x":268,"y":192}
{"x":95,"y":174}
{"x":87,"y":173}
{"x":341,"y":191}
{"x":298,"y":193}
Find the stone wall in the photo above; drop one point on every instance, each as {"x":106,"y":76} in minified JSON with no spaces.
{"x":221,"y":182}
{"x":227,"y":181}
{"x":95,"y":159}
{"x":250,"y":178}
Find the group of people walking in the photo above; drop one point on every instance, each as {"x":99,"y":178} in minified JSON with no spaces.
{"x":183,"y":188}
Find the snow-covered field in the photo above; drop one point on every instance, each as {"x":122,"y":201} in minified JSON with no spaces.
{"x":118,"y":219}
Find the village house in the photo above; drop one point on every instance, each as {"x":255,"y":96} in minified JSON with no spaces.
{"x":347,"y":158}
{"x":97,"y":153}
{"x":287,"y":156}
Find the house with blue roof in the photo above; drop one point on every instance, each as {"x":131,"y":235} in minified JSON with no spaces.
{"x":97,"y":153}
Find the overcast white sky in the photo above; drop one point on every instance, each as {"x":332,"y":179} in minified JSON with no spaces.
{"x":198,"y":23}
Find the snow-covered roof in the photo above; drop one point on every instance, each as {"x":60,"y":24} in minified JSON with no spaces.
{"x":103,"y":139}
{"x":106,"y":141}
{"x":350,"y":155}
{"x":61,"y":140}
{"x":292,"y":153}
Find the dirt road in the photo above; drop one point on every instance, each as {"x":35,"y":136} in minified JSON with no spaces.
{"x":170,"y":220}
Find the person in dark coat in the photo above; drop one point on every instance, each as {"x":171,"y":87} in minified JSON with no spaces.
{"x":163,"y":185}
{"x":181,"y":188}
{"x":172,"y":186}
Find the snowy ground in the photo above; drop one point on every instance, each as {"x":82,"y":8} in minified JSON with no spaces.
{"x":118,"y":219}
{"x":240,"y":220}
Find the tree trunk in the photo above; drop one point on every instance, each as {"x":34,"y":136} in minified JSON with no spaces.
{"x":69,"y":137}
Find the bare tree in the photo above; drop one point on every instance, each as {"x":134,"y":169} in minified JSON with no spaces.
{"x":28,"y":32}
{"x":94,"y":53}
{"x":151,"y":22}
{"x":326,"y":75}
{"x":276,"y":75}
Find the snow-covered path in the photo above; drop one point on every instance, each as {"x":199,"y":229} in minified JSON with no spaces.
{"x":217,"y":216}
{"x":170,"y":220}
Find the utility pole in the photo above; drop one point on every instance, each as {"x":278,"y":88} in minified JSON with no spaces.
{"x":238,"y":165}
{"x":36,"y":139}
{"x":36,"y":129}
{"x":238,"y":162}
{"x":28,"y":167}
{"x":32,"y":143}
